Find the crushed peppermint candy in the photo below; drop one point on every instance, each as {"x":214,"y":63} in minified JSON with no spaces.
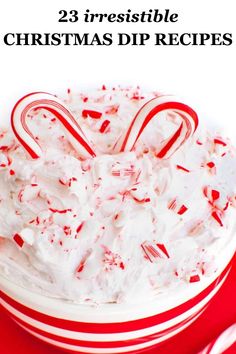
{"x":92,"y":114}
{"x":104,"y":126}
{"x":153,"y":251}
{"x":193,"y":277}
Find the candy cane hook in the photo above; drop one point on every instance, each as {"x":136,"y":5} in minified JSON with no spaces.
{"x":54,"y":105}
{"x":152,"y":109}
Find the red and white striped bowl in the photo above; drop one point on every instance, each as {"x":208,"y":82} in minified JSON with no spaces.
{"x":110,"y":328}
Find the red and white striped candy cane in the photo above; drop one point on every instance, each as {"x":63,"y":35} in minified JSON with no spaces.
{"x":223,"y":342}
{"x":54,"y":105}
{"x":152,"y":109}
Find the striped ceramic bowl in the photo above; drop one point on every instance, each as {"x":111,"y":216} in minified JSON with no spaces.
{"x":111,"y":328}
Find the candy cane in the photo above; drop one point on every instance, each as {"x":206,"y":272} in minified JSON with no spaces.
{"x":152,"y":109}
{"x":223,"y":342}
{"x":52,"y":104}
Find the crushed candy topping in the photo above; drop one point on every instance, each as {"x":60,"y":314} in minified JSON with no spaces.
{"x":116,"y":227}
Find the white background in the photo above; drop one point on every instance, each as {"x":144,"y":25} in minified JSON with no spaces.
{"x":204,"y":76}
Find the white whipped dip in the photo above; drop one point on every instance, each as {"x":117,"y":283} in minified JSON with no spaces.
{"x":78,"y":230}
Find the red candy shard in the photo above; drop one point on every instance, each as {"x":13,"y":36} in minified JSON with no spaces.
{"x":59,"y":211}
{"x":92,"y":114}
{"x":153,"y":251}
{"x":80,"y":266}
{"x":215,"y":194}
{"x":63,"y":182}
{"x":18,"y":239}
{"x":226,"y":206}
{"x":104,"y":126}
{"x":122,"y":266}
{"x":182,"y":168}
{"x":84,"y":98}
{"x":72,"y":179}
{"x":79,"y":228}
{"x":141,"y":201}
{"x":162,"y":247}
{"x":182,"y":210}
{"x":67,"y":230}
{"x":194,"y":278}
{"x":199,"y":142}
{"x":83,"y":261}
{"x":210,"y":164}
{"x":173,"y":205}
{"x":216,"y":216}
{"x":12,"y":172}
{"x":4,"y":147}
{"x":220,"y":142}
{"x":211,"y":194}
